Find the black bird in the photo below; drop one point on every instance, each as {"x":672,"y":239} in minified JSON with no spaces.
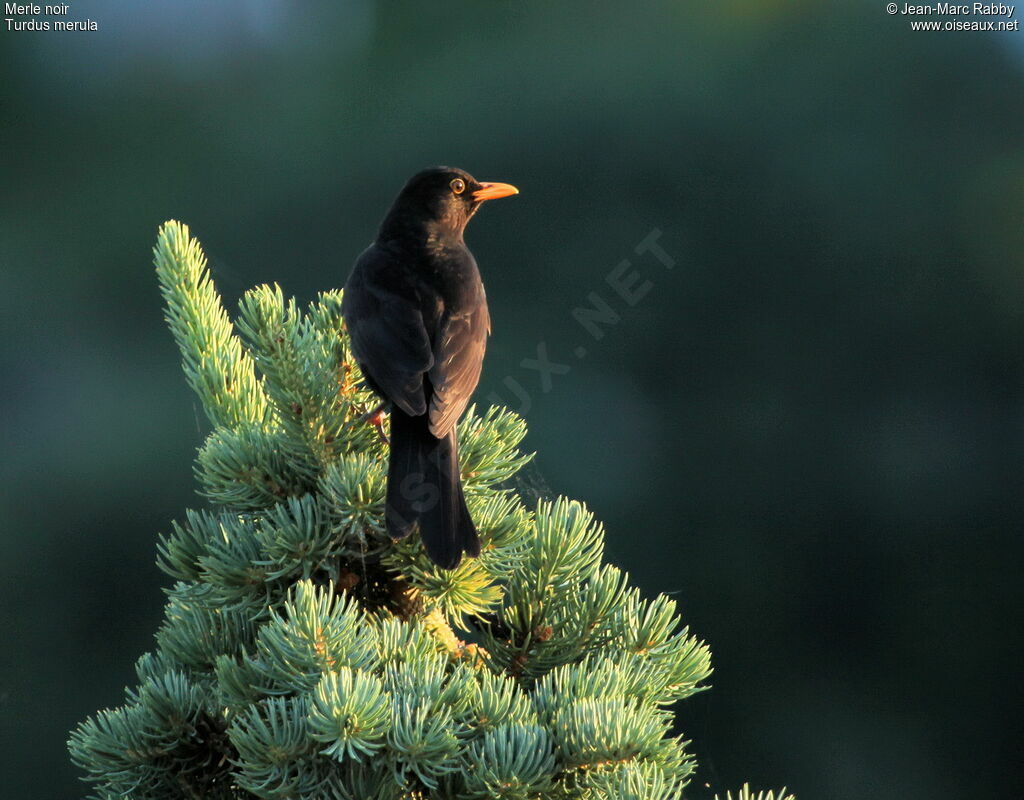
{"x":415,"y":308}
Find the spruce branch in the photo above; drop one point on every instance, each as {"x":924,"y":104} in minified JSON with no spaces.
{"x":216,"y":367}
{"x":746,"y":794}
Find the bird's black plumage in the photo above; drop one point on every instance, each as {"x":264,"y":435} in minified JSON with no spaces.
{"x":416,"y":311}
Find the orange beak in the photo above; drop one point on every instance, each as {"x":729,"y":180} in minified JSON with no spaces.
{"x":492,"y":191}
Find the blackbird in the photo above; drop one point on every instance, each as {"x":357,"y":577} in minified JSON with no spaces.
{"x":417,"y":315}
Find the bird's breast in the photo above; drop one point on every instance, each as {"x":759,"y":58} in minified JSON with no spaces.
{"x":456,"y":278}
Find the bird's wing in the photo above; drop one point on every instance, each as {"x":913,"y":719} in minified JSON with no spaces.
{"x":458,"y":357}
{"x":389,"y":337}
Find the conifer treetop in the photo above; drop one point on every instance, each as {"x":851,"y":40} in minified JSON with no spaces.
{"x":303,"y":654}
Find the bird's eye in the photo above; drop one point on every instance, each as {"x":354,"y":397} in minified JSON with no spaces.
{"x":458,"y":186}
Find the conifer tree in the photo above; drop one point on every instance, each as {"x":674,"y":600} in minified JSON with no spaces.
{"x":303,"y":654}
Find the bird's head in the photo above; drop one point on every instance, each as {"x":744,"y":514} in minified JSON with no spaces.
{"x":443,"y":197}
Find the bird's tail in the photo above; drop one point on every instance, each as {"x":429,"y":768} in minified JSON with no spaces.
{"x":424,"y":486}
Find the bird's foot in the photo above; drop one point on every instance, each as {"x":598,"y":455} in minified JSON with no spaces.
{"x":375,"y":418}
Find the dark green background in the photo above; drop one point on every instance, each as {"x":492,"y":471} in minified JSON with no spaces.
{"x":810,"y":431}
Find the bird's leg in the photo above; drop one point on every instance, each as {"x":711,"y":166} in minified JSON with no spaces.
{"x":375,"y":417}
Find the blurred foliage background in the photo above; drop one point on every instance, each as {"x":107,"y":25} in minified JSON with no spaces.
{"x":810,"y":431}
